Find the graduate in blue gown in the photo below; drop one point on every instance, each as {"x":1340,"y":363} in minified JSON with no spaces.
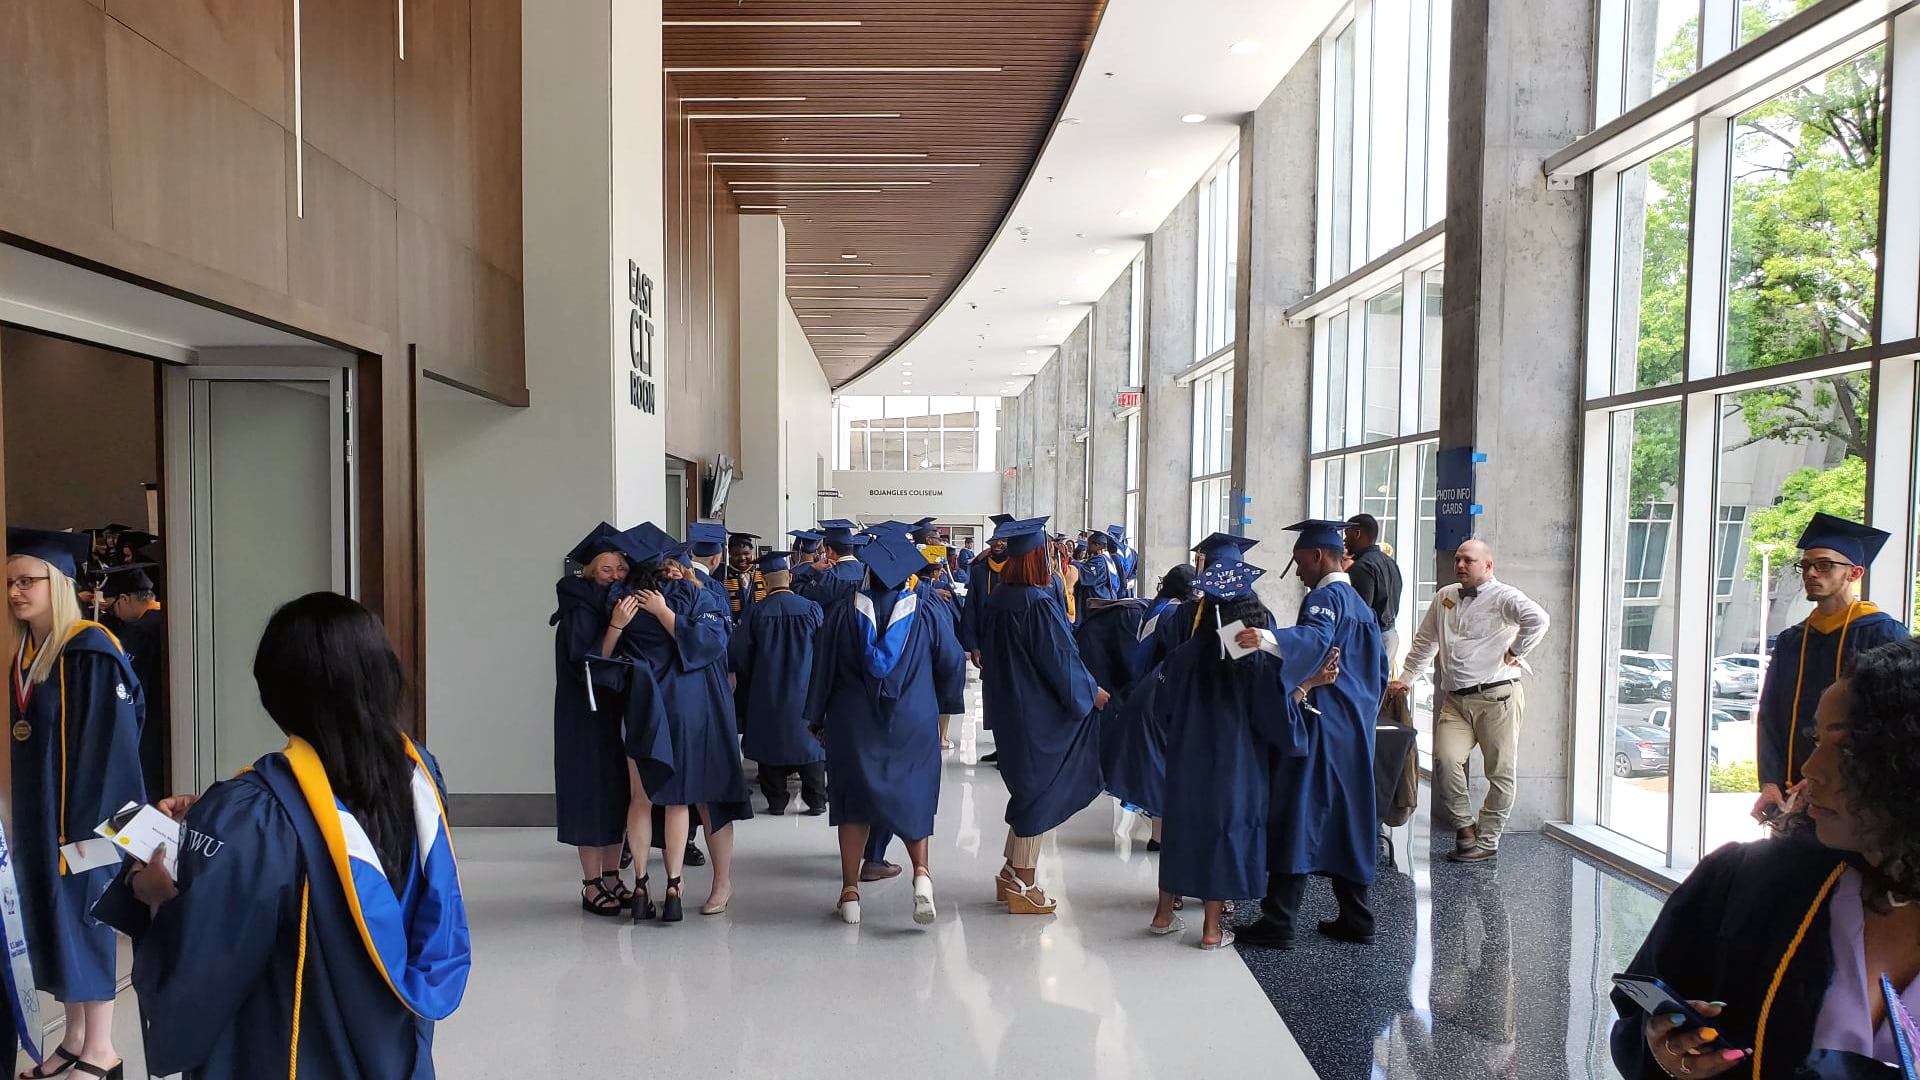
{"x":843,"y":579}
{"x":744,"y":584}
{"x":1809,"y":656}
{"x":982,"y":575}
{"x":1100,"y":575}
{"x":681,"y":635}
{"x":806,"y":545}
{"x":1324,"y":820}
{"x":75,"y":710}
{"x":937,"y":587}
{"x":1127,"y":557}
{"x":708,"y":543}
{"x":1043,"y":702}
{"x":317,"y":927}
{"x":874,"y":698}
{"x":1220,"y":737}
{"x":590,"y":785}
{"x":771,"y":657}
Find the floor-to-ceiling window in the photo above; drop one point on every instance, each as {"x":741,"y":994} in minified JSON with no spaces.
{"x":1750,"y":361}
{"x":1376,"y":318}
{"x":1136,"y":371}
{"x":916,"y":434}
{"x":1210,"y":502}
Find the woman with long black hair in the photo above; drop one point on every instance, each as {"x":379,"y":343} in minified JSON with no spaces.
{"x":317,"y":925}
{"x":75,"y":710}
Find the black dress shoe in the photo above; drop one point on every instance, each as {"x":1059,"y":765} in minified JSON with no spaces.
{"x":695,"y":857}
{"x":991,"y":759}
{"x":1153,"y":845}
{"x":814,"y":811}
{"x":1265,"y":934}
{"x":1340,"y":931}
{"x":776,"y":811}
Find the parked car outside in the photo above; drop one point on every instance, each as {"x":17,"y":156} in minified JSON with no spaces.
{"x":1639,"y":749}
{"x":1735,"y":680}
{"x":1732,"y":738}
{"x":1634,"y":686}
{"x":1657,"y":666}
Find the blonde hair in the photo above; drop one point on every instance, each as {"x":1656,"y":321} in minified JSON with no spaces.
{"x":66,"y":616}
{"x":587,"y":570}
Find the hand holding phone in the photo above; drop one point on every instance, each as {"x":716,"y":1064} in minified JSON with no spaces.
{"x":1681,"y":1034}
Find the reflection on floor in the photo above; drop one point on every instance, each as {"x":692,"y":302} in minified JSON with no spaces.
{"x":1478,"y":971}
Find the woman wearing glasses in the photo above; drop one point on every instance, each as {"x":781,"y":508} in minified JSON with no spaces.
{"x":75,"y":710}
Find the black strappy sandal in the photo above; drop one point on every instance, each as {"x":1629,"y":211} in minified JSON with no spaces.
{"x":611,"y":879}
{"x":602,"y":903}
{"x":60,"y":1053}
{"x":118,"y":1072}
{"x":643,"y":908}
{"x":626,"y":856}
{"x":670,"y":907}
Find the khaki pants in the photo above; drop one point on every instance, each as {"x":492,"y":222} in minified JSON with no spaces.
{"x":1491,"y":721}
{"x":1023,"y":852}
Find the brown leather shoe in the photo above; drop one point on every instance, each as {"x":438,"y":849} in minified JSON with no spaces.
{"x":1464,"y":840}
{"x":1477,"y":855}
{"x":879,"y":871}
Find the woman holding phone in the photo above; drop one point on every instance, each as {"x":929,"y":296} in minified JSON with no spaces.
{"x":1779,"y":945}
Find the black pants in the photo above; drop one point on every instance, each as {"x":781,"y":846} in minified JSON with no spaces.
{"x":813,"y":784}
{"x":1281,"y":905}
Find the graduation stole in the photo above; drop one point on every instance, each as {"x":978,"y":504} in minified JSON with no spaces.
{"x":422,"y":948}
{"x":885,"y":646}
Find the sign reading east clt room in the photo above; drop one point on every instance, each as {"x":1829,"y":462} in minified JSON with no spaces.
{"x":1454,"y":508}
{"x":642,"y":391}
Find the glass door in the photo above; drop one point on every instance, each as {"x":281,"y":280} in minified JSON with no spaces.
{"x":261,"y":500}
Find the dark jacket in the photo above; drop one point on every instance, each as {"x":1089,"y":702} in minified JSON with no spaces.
{"x":1376,"y":577}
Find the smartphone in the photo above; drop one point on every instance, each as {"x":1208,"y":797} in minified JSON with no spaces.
{"x":1656,"y":998}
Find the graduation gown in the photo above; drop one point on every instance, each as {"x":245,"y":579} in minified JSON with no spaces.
{"x":1041,"y":695}
{"x":79,"y":763}
{"x":1099,"y":580}
{"x":215,"y":969}
{"x":951,"y":686}
{"x":1129,"y":561}
{"x":832,"y":586}
{"x":1722,"y":936}
{"x":1108,"y":638}
{"x":1324,"y":815}
{"x":690,"y":668}
{"x":715,"y":588}
{"x":981,"y":578}
{"x":590,"y":785}
{"x":144,"y":641}
{"x":744,"y":589}
{"x":1807,"y":658}
{"x":881,"y":731}
{"x":1220,"y":734}
{"x":771,"y":656}
{"x":1133,"y":737}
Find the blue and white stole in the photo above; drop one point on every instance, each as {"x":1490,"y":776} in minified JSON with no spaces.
{"x":884,"y":646}
{"x":415,"y":932}
{"x":25,"y":1002}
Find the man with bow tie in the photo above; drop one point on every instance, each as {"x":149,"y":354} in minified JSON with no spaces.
{"x":1476,"y":635}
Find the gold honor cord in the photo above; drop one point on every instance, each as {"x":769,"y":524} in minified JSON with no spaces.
{"x":1780,"y":973}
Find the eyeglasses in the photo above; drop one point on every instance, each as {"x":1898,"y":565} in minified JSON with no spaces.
{"x":22,"y":584}
{"x":1821,"y":566}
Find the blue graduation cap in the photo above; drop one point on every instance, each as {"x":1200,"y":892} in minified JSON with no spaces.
{"x":1859,"y":543}
{"x":1225,"y":547}
{"x":922,"y":529}
{"x":837,"y":530}
{"x":602,"y":539}
{"x":64,"y":551}
{"x":647,"y":543}
{"x":707,"y":537}
{"x":680,"y":553}
{"x":892,"y":558}
{"x":1023,"y":536}
{"x":897,"y":528}
{"x":1000,"y":519}
{"x":127,"y":578}
{"x":1227,"y":580}
{"x":1319,"y":533}
{"x":747,"y":538}
{"x":805,"y":541}
{"x":1118,"y":532}
{"x":774,"y":562}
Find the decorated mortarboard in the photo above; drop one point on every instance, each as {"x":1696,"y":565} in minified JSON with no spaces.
{"x":1225,"y":547}
{"x":602,"y":539}
{"x":64,"y":551}
{"x":1227,"y":581}
{"x":128,"y":578}
{"x":892,"y":558}
{"x":647,"y":543}
{"x":1023,"y":536}
{"x":1859,"y":543}
{"x":774,"y":562}
{"x":1319,"y":533}
{"x":707,"y":537}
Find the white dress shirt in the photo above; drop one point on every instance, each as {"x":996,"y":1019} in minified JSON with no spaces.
{"x":1467,"y":637}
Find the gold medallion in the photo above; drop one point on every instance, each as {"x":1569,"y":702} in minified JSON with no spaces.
{"x":22,"y":731}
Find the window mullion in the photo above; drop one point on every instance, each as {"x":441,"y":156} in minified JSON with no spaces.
{"x":1412,"y":321}
{"x":1603,"y":282}
{"x":1356,"y":372}
{"x":1707,"y":265}
{"x":1693,"y":630}
{"x":1899,"y":307}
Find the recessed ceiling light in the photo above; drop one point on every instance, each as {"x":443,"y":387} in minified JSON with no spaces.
{"x":815,"y":69}
{"x":744,"y":207}
{"x":1042,"y":337}
{"x":743,"y":99}
{"x":807,"y":153}
{"x":1066,"y":303}
{"x":1082,"y":280}
{"x":1129,"y":213}
{"x":849,"y":255}
{"x":761,"y":22}
{"x":1103,"y":251}
{"x":1052,"y":321}
{"x":845,"y":165}
{"x":1030,"y":352}
{"x":851,"y":275}
{"x":1244,"y":47}
{"x":816,"y":191}
{"x":823,"y":286}
{"x":830,"y":183}
{"x":795,"y":116}
{"x":1194,"y":118}
{"x":1156,"y":174}
{"x":830,"y":264}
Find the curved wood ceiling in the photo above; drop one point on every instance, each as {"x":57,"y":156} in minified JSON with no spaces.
{"x":916,"y":192}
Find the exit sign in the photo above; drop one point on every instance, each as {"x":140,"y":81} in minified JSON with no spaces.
{"x":1127,"y":399}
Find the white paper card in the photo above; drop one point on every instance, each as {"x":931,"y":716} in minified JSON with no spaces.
{"x":1227,"y":635}
{"x":85,"y":855}
{"x":141,"y":835}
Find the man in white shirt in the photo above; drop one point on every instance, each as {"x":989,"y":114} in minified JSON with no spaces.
{"x":1476,"y":635}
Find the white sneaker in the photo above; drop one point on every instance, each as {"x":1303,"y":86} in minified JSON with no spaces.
{"x":849,"y":912}
{"x":1124,"y":821}
{"x":923,"y":912}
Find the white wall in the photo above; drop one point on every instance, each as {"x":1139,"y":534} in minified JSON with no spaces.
{"x":808,"y":406}
{"x":786,"y":406}
{"x":909,"y":496}
{"x":638,"y":196}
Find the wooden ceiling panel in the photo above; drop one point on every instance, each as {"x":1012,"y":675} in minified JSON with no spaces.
{"x":976,"y":135}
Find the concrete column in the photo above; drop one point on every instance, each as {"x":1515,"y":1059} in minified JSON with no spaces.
{"x":756,"y":503}
{"x":1167,"y":441}
{"x":1275,"y":368}
{"x":1043,"y":420}
{"x":636,"y":182}
{"x":1510,"y":383}
{"x":1112,"y":327}
{"x":1070,"y":362}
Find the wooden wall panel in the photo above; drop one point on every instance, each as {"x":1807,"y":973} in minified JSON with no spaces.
{"x":703,"y":298}
{"x":53,"y":138}
{"x":499,"y":325}
{"x":242,"y":46}
{"x":436,"y":296}
{"x":496,"y":132}
{"x":434,"y":104}
{"x":343,"y":254}
{"x":347,"y":78}
{"x":194,"y":169}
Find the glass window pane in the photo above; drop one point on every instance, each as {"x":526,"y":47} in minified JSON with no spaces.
{"x":1439,"y":55}
{"x":1644,"y":473}
{"x":1759,"y":16}
{"x":1387,"y":127}
{"x":857,"y":450}
{"x":1379,"y":492}
{"x":1223,"y":451}
{"x":1337,"y":381}
{"x":1133,"y":453}
{"x":1334,"y":491}
{"x":923,"y":452}
{"x":1418,"y":566}
{"x":889,"y":451}
{"x":1381,"y":387}
{"x":1803,"y":249}
{"x":962,"y":420}
{"x":959,"y":453}
{"x":1662,"y":43}
{"x":1786,"y":452}
{"x":1433,"y":283}
{"x":1340,"y":227}
{"x":1650,"y":291}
